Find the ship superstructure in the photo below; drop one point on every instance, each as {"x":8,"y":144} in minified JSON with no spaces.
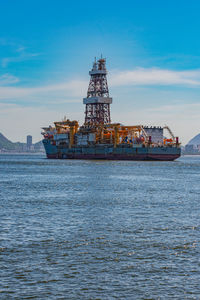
{"x":98,"y":138}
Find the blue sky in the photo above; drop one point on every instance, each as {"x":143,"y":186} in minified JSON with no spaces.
{"x":47,"y":48}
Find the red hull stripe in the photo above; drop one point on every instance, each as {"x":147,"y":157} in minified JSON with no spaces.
{"x":163,"y":157}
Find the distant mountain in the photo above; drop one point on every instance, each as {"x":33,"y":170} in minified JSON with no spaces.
{"x":195,"y":140}
{"x":8,"y":145}
{"x":5,"y":143}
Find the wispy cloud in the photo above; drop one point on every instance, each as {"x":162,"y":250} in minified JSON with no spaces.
{"x":8,"y":79}
{"x":19,"y":53}
{"x":48,"y":93}
{"x":7,"y":42}
{"x":178,"y":113}
{"x":16,"y":122}
{"x":78,"y":88}
{"x":183,"y":119}
{"x":22,"y":57}
{"x":155,"y":76}
{"x":177,"y":108}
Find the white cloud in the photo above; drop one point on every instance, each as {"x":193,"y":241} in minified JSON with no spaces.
{"x":8,"y":79}
{"x":78,"y":88}
{"x":20,"y":53}
{"x":182,"y":118}
{"x":65,"y":90}
{"x":155,"y":76}
{"x":175,"y":109}
{"x":75,"y":87}
{"x":22,"y":57}
{"x":16,"y":122}
{"x":21,"y":49}
{"x":12,"y":92}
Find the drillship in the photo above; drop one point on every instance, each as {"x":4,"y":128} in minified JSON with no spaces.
{"x":99,"y":138}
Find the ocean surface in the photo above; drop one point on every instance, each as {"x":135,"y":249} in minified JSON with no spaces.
{"x":72,"y":229}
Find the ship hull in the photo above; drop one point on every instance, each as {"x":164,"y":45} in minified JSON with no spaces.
{"x":108,"y":152}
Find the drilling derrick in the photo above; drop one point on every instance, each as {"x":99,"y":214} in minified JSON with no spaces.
{"x":98,"y":102}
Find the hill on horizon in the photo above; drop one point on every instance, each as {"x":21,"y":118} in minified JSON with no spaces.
{"x":8,"y":145}
{"x":195,"y":140}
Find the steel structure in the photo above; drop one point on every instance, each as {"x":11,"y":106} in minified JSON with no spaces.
{"x":97,"y":111}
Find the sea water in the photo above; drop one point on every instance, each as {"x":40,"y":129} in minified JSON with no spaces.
{"x":75,"y":229}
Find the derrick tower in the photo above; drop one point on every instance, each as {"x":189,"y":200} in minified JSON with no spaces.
{"x":97,"y":110}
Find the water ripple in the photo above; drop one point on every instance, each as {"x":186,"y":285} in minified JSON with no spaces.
{"x":73,"y":229}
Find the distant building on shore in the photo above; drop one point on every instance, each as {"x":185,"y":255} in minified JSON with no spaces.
{"x":29,"y":143}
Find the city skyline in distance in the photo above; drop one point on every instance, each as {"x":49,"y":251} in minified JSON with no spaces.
{"x":47,"y":50}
